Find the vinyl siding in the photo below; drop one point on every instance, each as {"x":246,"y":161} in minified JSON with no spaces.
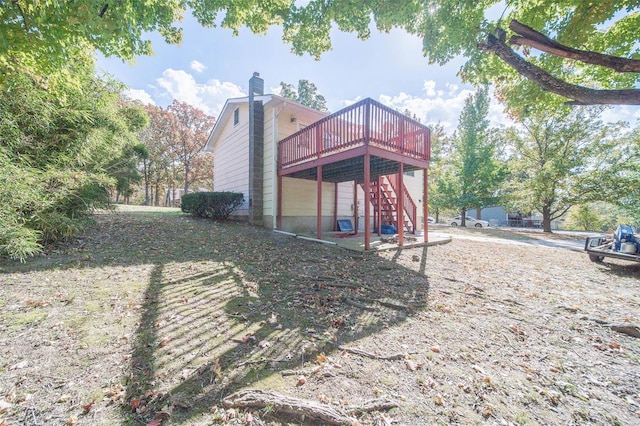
{"x":231,"y":158}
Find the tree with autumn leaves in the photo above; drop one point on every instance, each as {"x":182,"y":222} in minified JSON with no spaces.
{"x":174,"y":141}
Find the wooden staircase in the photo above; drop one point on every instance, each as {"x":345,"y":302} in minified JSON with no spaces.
{"x":384,"y":192}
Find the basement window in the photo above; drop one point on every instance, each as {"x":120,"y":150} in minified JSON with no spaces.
{"x":236,"y":116}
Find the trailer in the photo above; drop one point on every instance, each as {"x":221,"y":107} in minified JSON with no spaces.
{"x":600,"y":247}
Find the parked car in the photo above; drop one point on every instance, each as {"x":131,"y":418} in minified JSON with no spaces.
{"x":469,"y":221}
{"x":431,"y":219}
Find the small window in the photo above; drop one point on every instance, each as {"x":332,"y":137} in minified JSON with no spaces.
{"x":411,"y":173}
{"x":236,"y":116}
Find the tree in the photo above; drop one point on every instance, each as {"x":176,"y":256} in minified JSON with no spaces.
{"x":191,"y":132}
{"x":584,"y":218}
{"x":440,"y":142}
{"x":563,"y":158}
{"x":56,"y":148}
{"x":603,"y":71}
{"x":595,"y":42}
{"x":307,"y":94}
{"x":157,"y":139}
{"x":473,"y":175}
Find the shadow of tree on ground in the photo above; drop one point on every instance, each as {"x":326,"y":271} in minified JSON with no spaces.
{"x":229,"y":306}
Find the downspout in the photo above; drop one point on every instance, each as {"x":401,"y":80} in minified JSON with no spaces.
{"x":274,"y":159}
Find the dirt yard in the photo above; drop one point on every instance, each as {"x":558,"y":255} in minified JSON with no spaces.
{"x":156,"y":318}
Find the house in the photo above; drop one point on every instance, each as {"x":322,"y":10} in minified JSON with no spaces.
{"x":301,"y":169}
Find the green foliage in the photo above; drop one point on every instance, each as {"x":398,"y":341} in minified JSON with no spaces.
{"x":584,"y":218}
{"x":472,"y":175}
{"x":306,"y":94}
{"x":566,"y":157}
{"x":41,"y":36}
{"x":56,"y":148}
{"x":212,"y":205}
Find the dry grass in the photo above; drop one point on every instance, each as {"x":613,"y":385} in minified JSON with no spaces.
{"x":158,"y":316}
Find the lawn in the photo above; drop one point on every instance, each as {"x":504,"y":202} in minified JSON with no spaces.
{"x":154,"y":317}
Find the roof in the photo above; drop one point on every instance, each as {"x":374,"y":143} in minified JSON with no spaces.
{"x":273,"y":100}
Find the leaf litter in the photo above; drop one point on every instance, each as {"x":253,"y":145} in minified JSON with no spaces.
{"x":156,"y":319}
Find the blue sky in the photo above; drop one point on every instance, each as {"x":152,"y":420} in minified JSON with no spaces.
{"x":212,"y":65}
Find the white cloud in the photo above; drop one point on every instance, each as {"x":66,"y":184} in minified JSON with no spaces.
{"x":198,"y":66}
{"x":140,"y":95}
{"x":208,"y":97}
{"x":348,"y":102}
{"x":439,"y":106}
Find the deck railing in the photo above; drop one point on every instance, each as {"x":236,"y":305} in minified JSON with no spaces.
{"x":364,"y":123}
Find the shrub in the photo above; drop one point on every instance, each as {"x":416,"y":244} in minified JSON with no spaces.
{"x":212,"y":205}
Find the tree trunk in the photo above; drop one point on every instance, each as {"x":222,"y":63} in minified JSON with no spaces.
{"x":157,"y":200}
{"x":479,"y":213}
{"x":146,"y":183}
{"x":117,"y":197}
{"x":186,"y":178}
{"x":463,"y":216}
{"x":546,"y":218}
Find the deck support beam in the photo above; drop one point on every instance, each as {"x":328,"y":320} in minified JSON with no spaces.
{"x":379,"y":206}
{"x":367,"y":204}
{"x":319,"y":191}
{"x":355,"y":207}
{"x":400,"y":206}
{"x":335,"y":206}
{"x":425,"y":204}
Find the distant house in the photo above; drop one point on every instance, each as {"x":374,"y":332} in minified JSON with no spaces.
{"x":303,"y":170}
{"x":498,"y":216}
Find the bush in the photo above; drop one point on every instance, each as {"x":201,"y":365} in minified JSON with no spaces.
{"x":212,"y":205}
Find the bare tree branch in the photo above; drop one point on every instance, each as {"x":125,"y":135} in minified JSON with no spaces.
{"x":579,"y":95}
{"x":532,"y":38}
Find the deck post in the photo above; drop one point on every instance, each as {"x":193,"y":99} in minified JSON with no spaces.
{"x":379,"y":206}
{"x":425,"y":204}
{"x":279,"y":204}
{"x":335,"y":206}
{"x":367,"y":204}
{"x":319,"y":190}
{"x":355,"y":206}
{"x":400,"y":206}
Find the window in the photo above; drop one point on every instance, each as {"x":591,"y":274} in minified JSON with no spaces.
{"x":236,"y":116}
{"x":411,"y":173}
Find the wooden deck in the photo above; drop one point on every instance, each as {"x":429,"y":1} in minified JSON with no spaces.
{"x":364,"y":143}
{"x":340,"y":140}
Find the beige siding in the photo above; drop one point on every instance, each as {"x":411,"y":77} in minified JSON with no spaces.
{"x":231,"y":157}
{"x":414,"y":186}
{"x":301,"y":197}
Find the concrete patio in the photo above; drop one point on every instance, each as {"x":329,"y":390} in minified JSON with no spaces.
{"x":355,"y":242}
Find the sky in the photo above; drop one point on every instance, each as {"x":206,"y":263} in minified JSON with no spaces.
{"x":211,"y":65}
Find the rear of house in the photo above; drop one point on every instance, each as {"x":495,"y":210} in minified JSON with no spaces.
{"x":245,"y":144}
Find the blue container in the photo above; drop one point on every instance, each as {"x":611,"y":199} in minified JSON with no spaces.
{"x":388,"y":229}
{"x":624,"y":234}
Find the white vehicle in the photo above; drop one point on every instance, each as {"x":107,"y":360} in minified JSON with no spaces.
{"x":469,"y":221}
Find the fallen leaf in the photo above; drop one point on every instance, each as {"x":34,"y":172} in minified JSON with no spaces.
{"x":435,"y":349}
{"x":72,"y":421}
{"x":301,"y":381}
{"x":87,"y":407}
{"x":135,"y":403}
{"x":438,"y":400}
{"x":411,"y":366}
{"x":155,"y":422}
{"x":321,"y":359}
{"x":164,"y":342}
